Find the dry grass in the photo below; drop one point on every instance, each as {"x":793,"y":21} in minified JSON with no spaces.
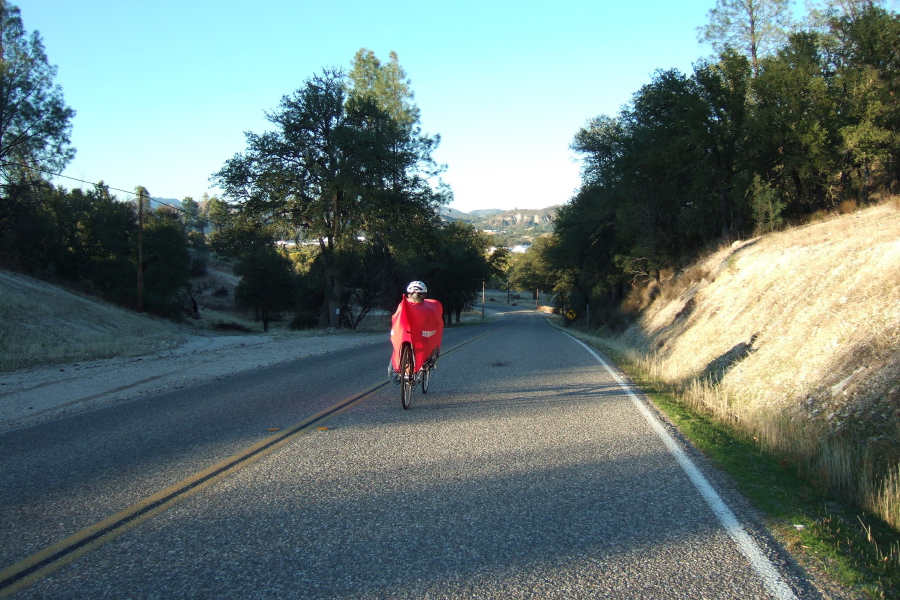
{"x":794,"y":338}
{"x":41,"y":324}
{"x":886,"y":498}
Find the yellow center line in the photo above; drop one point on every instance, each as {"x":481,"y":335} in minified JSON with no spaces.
{"x":26,"y":571}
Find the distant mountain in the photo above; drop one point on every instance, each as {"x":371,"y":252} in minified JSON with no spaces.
{"x":451,"y":214}
{"x":496,"y":216}
{"x":507,"y":227}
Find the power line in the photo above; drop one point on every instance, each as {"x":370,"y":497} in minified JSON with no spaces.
{"x":109,"y":187}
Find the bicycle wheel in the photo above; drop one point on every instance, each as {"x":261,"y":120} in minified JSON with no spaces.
{"x":426,"y":377}
{"x":407,"y":375}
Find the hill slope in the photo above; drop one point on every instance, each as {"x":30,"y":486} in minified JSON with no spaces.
{"x":43,"y":323}
{"x":794,"y":337}
{"x":805,"y":321}
{"x":511,"y":227}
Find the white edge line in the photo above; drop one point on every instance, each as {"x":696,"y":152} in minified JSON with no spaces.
{"x":762,"y":565}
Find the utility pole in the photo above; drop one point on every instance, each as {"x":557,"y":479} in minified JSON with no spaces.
{"x":140,"y":259}
{"x":482,"y":298}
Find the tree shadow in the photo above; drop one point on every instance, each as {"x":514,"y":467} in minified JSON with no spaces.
{"x":716,"y":370}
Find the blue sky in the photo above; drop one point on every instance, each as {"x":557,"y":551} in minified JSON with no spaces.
{"x":164,"y":90}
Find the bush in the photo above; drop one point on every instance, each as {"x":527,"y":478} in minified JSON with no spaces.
{"x":305,"y":319}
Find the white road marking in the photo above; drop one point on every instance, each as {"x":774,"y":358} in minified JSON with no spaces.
{"x":762,"y":565}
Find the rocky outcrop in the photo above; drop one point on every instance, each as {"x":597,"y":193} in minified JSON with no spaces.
{"x":514,"y":219}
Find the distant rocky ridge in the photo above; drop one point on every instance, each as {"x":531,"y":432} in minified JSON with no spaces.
{"x":510,"y":227}
{"x":504,"y":220}
{"x":517,"y":219}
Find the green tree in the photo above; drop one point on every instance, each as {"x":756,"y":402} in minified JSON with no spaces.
{"x":820,"y":17}
{"x":335,"y":168}
{"x":267,"y":283}
{"x":499,"y":262}
{"x":387,"y":84}
{"x":191,"y":215}
{"x":195,"y":224}
{"x":367,"y":272}
{"x":586,"y":245}
{"x":162,"y":259}
{"x":460,"y":266}
{"x":35,"y":123}
{"x":244,"y":236}
{"x":867,"y":61}
{"x":535,"y":270}
{"x":108,"y":228}
{"x":753,"y":27}
{"x":75,"y":236}
{"x":766,"y":205}
{"x":218,"y":213}
{"x":166,"y":264}
{"x":795,"y":127}
{"x":94,"y":231}
{"x":725,"y":89}
{"x":659,"y":223}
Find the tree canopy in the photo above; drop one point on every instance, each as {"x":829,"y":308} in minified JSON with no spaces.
{"x":340,"y":166}
{"x":735,"y":148}
{"x":753,"y":27}
{"x":35,"y":122}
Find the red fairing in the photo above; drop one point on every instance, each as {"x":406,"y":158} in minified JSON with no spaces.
{"x":422,"y":324}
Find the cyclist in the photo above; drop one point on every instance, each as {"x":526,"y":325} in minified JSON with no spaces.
{"x":416,"y":292}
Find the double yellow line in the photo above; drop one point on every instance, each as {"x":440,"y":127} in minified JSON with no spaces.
{"x":23,"y":573}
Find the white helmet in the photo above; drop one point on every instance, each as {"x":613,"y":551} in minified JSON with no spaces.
{"x":416,"y":287}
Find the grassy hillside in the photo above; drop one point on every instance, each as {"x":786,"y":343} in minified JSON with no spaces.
{"x":804,"y":323}
{"x":794,"y":338}
{"x":41,"y":323}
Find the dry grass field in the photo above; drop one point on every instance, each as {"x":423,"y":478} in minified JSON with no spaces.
{"x":44,"y":324}
{"x":795,"y":338}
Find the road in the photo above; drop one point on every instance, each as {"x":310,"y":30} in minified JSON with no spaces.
{"x":527,"y":471}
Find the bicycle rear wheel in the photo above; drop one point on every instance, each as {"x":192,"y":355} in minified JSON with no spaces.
{"x":407,"y":375}
{"x":426,"y":377}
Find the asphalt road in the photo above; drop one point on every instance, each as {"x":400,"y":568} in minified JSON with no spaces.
{"x":527,"y":471}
